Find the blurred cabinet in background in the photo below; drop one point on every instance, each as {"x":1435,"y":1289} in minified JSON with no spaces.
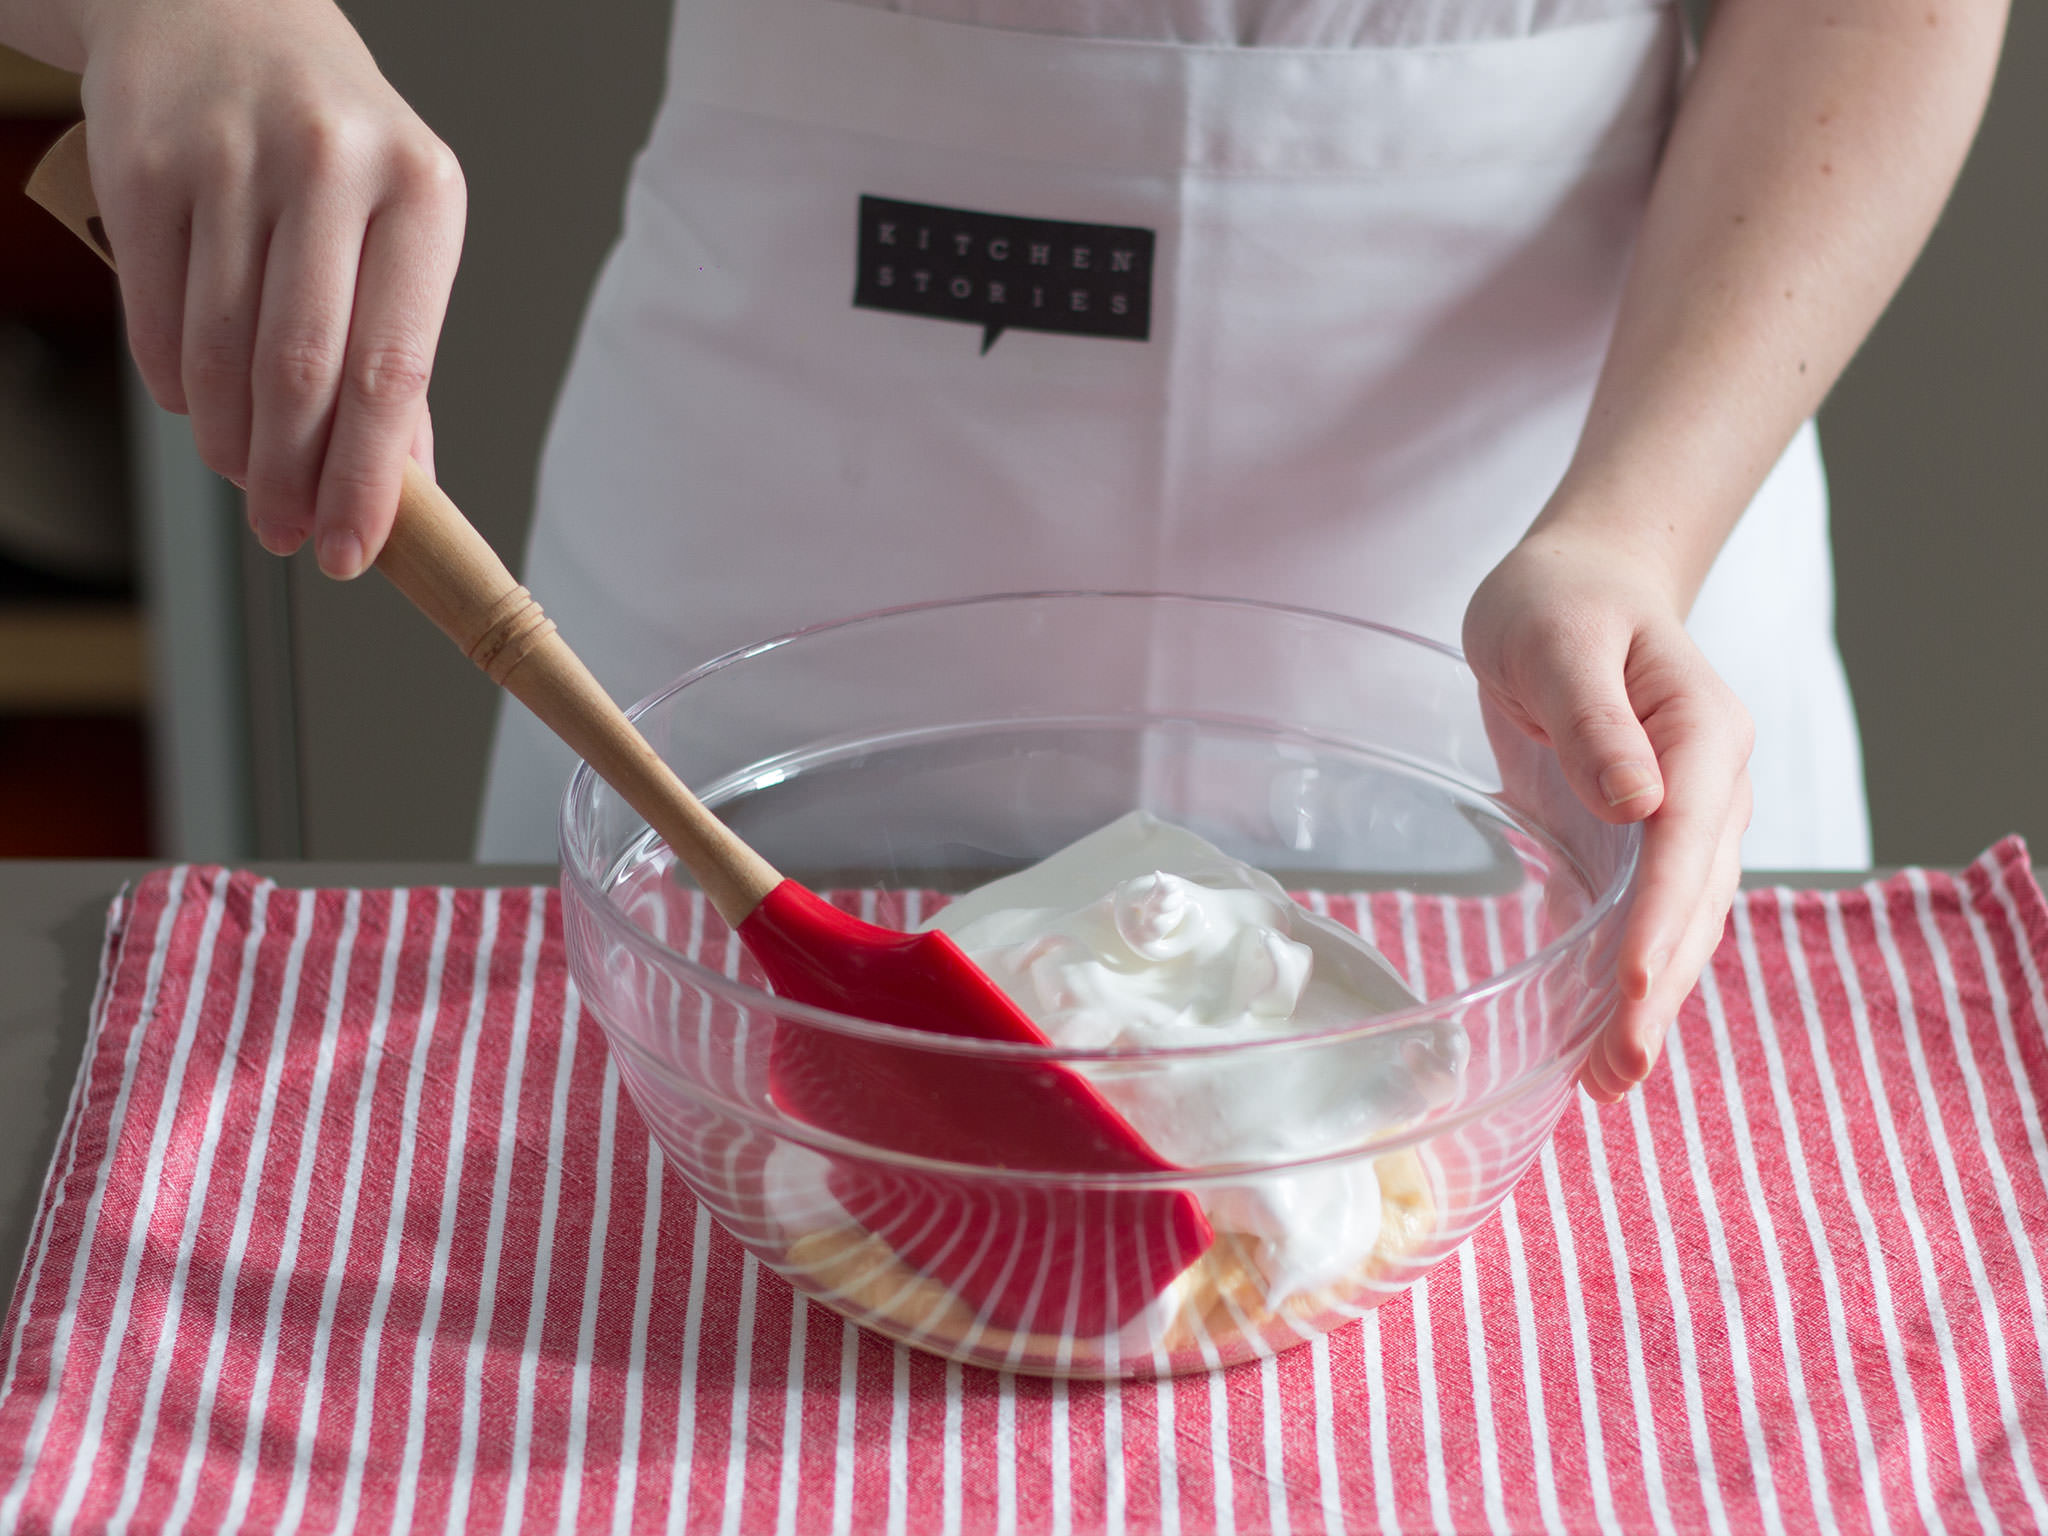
{"x":134,"y":718}
{"x":74,"y":697}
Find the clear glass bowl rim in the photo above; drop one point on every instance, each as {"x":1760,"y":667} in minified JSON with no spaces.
{"x":624,"y":929}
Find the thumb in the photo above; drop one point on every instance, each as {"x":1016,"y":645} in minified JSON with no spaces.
{"x":1602,"y":746}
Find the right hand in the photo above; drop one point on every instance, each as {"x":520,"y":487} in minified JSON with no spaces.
{"x":1582,"y":648}
{"x":287,"y":232}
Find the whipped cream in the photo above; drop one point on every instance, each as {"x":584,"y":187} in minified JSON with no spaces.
{"x":1143,"y":935}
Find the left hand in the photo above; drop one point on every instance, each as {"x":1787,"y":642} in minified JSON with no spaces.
{"x":1583,"y":647}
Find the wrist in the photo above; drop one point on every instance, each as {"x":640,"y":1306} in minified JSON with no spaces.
{"x":105,"y":25}
{"x":101,"y":24}
{"x":51,"y":31}
{"x":1615,"y":551}
{"x":1660,"y":539}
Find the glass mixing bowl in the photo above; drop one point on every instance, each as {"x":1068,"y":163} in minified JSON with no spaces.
{"x":904,"y":756}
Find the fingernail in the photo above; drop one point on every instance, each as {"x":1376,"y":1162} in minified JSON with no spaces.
{"x":341,"y":554}
{"x":277,"y":538}
{"x":240,"y":485}
{"x":1625,"y":782}
{"x":1652,"y":969}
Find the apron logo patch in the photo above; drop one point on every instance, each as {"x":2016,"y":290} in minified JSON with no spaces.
{"x":1003,"y":272}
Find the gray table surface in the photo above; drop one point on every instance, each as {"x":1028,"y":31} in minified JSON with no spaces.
{"x":52,"y":917}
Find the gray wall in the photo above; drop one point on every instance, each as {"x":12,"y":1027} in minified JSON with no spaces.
{"x":1937,"y":443}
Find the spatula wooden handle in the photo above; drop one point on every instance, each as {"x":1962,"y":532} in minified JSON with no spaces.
{"x":436,"y":558}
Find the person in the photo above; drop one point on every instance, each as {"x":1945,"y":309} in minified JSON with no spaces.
{"x":1451,"y":310}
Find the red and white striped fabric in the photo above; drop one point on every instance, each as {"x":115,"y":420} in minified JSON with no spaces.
{"x":350,"y":1228}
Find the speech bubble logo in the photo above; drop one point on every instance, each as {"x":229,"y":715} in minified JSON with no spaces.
{"x":1003,"y":271}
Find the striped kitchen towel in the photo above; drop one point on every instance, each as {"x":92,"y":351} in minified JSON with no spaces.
{"x":350,"y":1228}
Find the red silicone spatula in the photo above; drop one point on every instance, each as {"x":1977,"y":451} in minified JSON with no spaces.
{"x":1030,"y":1256}
{"x":1049,"y":1260}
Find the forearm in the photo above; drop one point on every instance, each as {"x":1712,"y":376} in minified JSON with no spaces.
{"x":1809,"y":160}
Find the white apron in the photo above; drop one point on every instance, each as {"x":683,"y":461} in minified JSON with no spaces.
{"x":1380,"y":285}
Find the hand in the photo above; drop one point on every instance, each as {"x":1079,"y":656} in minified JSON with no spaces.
{"x":1584,"y":649}
{"x":287,"y":232}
